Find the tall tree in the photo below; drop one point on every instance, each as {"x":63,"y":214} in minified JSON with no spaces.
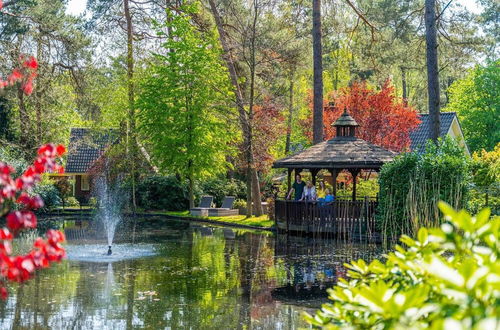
{"x":182,"y":105}
{"x":43,"y":28}
{"x":318,"y":73}
{"x":250,"y":51}
{"x":432,"y":68}
{"x":131,"y":136}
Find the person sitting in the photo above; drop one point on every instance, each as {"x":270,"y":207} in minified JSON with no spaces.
{"x":297,"y":187}
{"x":309,"y":193}
{"x":327,"y":199}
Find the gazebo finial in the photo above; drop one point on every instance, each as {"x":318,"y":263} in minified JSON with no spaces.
{"x":346,"y":125}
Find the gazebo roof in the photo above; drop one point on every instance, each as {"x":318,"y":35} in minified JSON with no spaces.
{"x":341,"y":152}
{"x":345,"y":120}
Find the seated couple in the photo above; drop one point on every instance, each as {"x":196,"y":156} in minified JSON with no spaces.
{"x":307,"y":192}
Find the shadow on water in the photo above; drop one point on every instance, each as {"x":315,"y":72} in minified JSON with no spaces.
{"x":197,"y":277}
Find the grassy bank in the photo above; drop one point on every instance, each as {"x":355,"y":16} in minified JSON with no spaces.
{"x":262,"y":221}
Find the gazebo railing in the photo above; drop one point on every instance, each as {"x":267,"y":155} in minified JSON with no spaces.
{"x":342,"y":219}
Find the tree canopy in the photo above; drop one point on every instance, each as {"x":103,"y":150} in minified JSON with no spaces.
{"x":183,"y":102}
{"x":476,"y":100}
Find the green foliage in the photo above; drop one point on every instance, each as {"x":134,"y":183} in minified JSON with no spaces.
{"x":364,"y":188}
{"x":240,"y":204}
{"x":447,"y":278}
{"x":183,"y":111}
{"x":71,"y":202}
{"x":412,"y":185}
{"x":220,"y":187}
{"x":47,"y":190}
{"x":486,"y":167}
{"x":162,"y":193}
{"x":486,"y":177}
{"x":479,"y":198}
{"x":11,"y":155}
{"x":476,"y":100}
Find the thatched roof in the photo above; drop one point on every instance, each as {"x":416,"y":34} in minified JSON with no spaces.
{"x":341,"y":152}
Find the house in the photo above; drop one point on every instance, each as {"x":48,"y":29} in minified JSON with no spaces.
{"x":450,"y":126}
{"x":86,"y":146}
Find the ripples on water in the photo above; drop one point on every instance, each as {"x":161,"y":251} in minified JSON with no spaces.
{"x":179,"y":275}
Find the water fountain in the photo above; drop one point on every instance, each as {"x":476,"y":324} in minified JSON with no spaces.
{"x":110,"y":201}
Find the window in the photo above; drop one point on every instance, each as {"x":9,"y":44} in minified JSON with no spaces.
{"x":85,"y":183}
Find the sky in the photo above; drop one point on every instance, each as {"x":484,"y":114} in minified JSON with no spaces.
{"x":76,"y":7}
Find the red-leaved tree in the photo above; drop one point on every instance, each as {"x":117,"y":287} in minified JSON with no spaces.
{"x":384,"y":119}
{"x":268,"y":126}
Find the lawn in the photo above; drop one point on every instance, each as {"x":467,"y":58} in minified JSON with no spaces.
{"x":262,"y":221}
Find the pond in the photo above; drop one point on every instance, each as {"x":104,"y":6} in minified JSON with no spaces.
{"x":169,"y":274}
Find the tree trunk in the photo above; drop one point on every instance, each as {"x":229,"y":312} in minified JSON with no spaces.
{"x":318,"y":74}
{"x":432,"y":67}
{"x":403,"y":81}
{"x":131,"y":100}
{"x":240,"y":104}
{"x":24,"y":121}
{"x":290,"y":117}
{"x":38,"y":94}
{"x":191,"y":191}
{"x":254,"y":178}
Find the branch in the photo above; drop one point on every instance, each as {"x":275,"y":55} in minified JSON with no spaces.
{"x":442,"y":11}
{"x":360,"y":15}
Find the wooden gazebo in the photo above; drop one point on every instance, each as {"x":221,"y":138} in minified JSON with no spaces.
{"x":344,"y":152}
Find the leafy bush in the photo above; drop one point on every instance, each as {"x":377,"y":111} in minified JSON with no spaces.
{"x":92,"y":202}
{"x":447,"y":278}
{"x":220,"y":187}
{"x":477,"y":199}
{"x":162,"y":193}
{"x":13,"y":157}
{"x":72,"y":202}
{"x":364,"y":188}
{"x":412,"y":185}
{"x":47,"y":190}
{"x":486,"y":178}
{"x":241,"y":205}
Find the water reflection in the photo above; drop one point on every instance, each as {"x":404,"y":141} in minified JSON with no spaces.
{"x":200,"y":278}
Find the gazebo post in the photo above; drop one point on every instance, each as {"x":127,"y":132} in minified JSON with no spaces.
{"x":334,"y":173}
{"x":354,"y":173}
{"x":289,"y":179}
{"x":314,"y":172}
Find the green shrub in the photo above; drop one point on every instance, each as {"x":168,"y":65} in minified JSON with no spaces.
{"x":446,"y":279}
{"x":364,"y":188}
{"x":71,"y":202}
{"x":49,"y":194}
{"x":92,"y":202}
{"x":14,"y":157}
{"x":412,"y":185}
{"x":162,"y":193}
{"x":241,"y":205}
{"x":220,"y":187}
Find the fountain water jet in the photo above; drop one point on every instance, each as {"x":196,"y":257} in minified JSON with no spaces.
{"x":110,"y":200}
